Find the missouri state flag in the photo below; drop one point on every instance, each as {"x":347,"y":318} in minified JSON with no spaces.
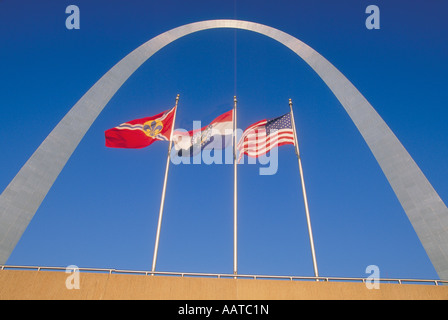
{"x":140,"y":133}
{"x":216,"y":135}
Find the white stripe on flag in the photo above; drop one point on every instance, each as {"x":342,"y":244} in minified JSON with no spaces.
{"x":256,"y":145}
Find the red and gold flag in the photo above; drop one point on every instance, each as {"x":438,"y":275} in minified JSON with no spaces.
{"x":140,"y":133}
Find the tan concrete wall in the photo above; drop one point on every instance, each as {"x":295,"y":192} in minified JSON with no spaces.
{"x":42,"y":285}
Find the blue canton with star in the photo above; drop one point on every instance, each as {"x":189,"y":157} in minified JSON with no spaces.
{"x":283,"y":122}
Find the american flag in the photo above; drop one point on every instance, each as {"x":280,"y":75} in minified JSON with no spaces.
{"x":262,"y":136}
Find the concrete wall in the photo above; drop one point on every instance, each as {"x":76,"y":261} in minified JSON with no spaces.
{"x":42,"y":285}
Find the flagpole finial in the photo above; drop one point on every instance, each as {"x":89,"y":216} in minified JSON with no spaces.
{"x":234,"y":98}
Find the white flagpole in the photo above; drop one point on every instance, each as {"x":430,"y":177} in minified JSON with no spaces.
{"x":305,"y":200}
{"x":235,"y":198}
{"x":162,"y":202}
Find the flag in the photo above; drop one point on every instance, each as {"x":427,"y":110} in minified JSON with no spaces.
{"x":140,"y":133}
{"x":216,"y":135}
{"x":262,"y":136}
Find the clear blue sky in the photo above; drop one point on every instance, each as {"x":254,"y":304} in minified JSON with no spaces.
{"x":102,"y":210}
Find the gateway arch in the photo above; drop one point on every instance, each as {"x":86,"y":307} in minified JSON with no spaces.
{"x":421,"y":203}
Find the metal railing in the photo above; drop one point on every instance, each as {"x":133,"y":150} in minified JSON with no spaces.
{"x":228,"y":276}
